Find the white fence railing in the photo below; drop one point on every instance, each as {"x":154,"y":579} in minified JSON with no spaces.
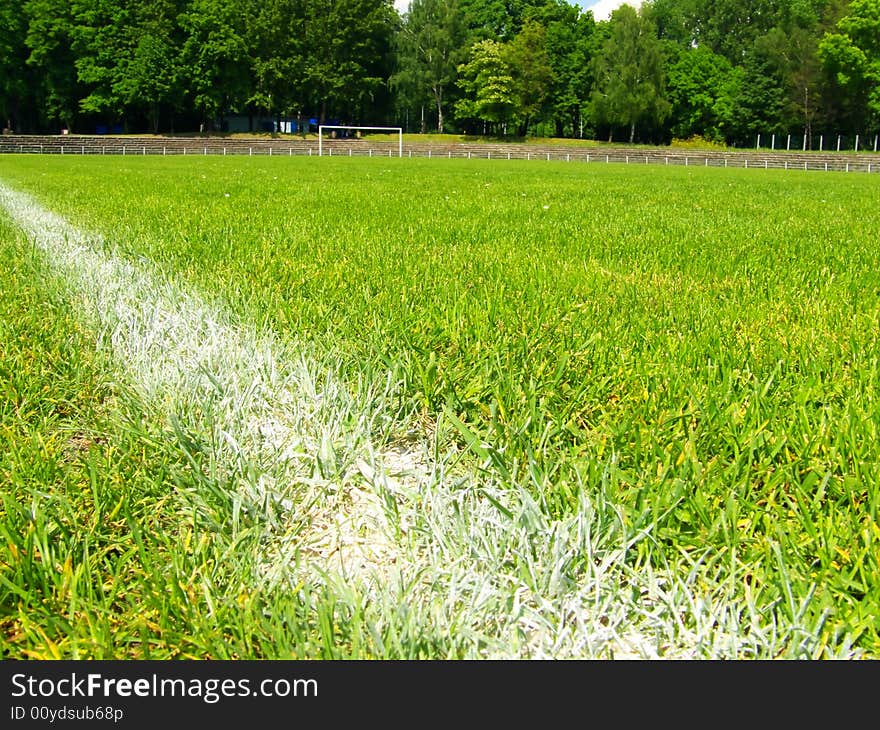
{"x":818,"y":142}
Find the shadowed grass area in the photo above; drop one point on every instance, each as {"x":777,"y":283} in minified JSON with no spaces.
{"x":695,"y":348}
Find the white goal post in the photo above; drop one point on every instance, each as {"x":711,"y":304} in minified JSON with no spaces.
{"x":322,"y":127}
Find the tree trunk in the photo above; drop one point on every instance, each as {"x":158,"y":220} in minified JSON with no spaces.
{"x":14,"y":120}
{"x":439,"y":100}
{"x":632,"y":132}
{"x":808,"y":130}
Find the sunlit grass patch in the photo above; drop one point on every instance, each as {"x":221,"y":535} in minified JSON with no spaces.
{"x":638,"y":411}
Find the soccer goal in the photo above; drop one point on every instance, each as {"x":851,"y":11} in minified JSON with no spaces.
{"x":322,"y":127}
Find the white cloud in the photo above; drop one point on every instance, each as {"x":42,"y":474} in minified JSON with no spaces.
{"x":602,"y":10}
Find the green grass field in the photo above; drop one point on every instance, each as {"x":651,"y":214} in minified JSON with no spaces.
{"x":410,"y":408}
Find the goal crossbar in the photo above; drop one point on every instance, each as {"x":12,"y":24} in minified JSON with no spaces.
{"x":322,"y":127}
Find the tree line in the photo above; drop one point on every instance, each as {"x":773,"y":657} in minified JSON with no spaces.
{"x":723,"y":70}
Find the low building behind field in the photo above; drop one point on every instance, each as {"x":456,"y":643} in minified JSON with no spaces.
{"x":242,"y":123}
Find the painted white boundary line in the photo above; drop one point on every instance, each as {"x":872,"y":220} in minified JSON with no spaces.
{"x":267,"y":411}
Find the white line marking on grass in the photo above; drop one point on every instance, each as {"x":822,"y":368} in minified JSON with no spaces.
{"x":444,"y":555}
{"x":274,"y":424}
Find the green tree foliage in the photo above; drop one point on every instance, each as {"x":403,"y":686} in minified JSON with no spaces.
{"x":570,"y":44}
{"x":677,"y":21}
{"x":730,"y":27}
{"x":790,"y":54}
{"x":777,"y":83}
{"x":852,"y":55}
{"x":725,"y":69}
{"x":15,"y":77}
{"x":490,"y":19}
{"x":276,"y":51}
{"x":629,"y":72}
{"x":489,"y":95}
{"x":49,"y":38}
{"x":348,"y":56}
{"x":702,"y":89}
{"x":505,"y":85}
{"x":128,"y":56}
{"x":103,"y":40}
{"x":216,"y":56}
{"x":762,"y":104}
{"x":430,"y":46}
{"x":528,"y":60}
{"x":154,"y":71}
{"x":332,"y":57}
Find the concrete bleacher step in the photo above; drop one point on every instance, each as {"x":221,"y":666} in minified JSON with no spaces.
{"x":284,"y":145}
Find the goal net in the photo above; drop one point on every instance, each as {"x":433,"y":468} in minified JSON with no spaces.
{"x":323,"y":127}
